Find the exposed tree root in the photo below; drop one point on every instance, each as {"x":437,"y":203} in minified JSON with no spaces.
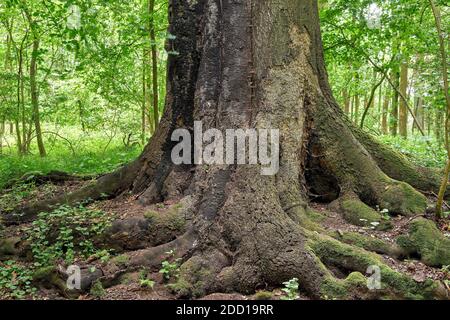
{"x":351,"y":259}
{"x":355,"y":211}
{"x":153,"y":229}
{"x":398,"y":167}
{"x":152,"y":257}
{"x":426,"y":241}
{"x":56,"y":277}
{"x":55,"y":177}
{"x":370,"y":244}
{"x":341,"y":155}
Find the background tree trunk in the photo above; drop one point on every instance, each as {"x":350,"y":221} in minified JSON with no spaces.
{"x":395,"y":100}
{"x":346,"y":101}
{"x":384,"y":114}
{"x":403,"y":110}
{"x":154,"y":63}
{"x":356,"y":109}
{"x":35,"y":98}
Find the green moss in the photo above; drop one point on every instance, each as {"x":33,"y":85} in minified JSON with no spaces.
{"x":333,"y":288}
{"x":151,"y":215}
{"x":121,"y":260}
{"x":401,"y":198}
{"x":369,"y":243}
{"x":97,"y":290}
{"x":43,"y":273}
{"x":425,"y":239}
{"x":314,"y":215}
{"x":181,"y":287}
{"x":49,"y":275}
{"x":394,"y":284}
{"x":358,"y":213}
{"x":8,"y":246}
{"x":195,"y":277}
{"x":127,"y":279}
{"x":263,"y":295}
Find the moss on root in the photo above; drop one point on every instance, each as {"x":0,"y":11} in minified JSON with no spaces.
{"x":401,"y":198}
{"x":49,"y":276}
{"x":170,"y":219}
{"x":121,"y":260}
{"x":333,"y":288}
{"x":195,"y":277}
{"x":8,"y":246}
{"x":97,"y":290}
{"x":358,"y":213}
{"x":263,"y":295}
{"x":349,"y":258}
{"x":425,"y":240}
{"x":369,"y":243}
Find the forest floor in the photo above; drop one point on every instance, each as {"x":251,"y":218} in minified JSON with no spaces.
{"x":132,"y":287}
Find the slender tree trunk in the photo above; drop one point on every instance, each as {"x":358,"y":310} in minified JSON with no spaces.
{"x":35,"y":98}
{"x":352,"y":108}
{"x":395,"y":100}
{"x":346,"y":101}
{"x":384,"y":114}
{"x":438,"y":127}
{"x":403,"y":110}
{"x":20,"y":98}
{"x":7,"y":69}
{"x":154,"y":59}
{"x":81,"y":115}
{"x":144,"y":99}
{"x":429,"y":121}
{"x":356,"y":109}
{"x":371,"y":101}
{"x":420,"y":114}
{"x":380,"y":107}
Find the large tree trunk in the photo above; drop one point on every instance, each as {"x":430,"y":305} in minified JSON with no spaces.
{"x":259,"y":64}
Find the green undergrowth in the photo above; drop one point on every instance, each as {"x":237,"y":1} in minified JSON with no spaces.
{"x":423,"y":151}
{"x":67,"y":233}
{"x":89,"y":154}
{"x":15,"y":281}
